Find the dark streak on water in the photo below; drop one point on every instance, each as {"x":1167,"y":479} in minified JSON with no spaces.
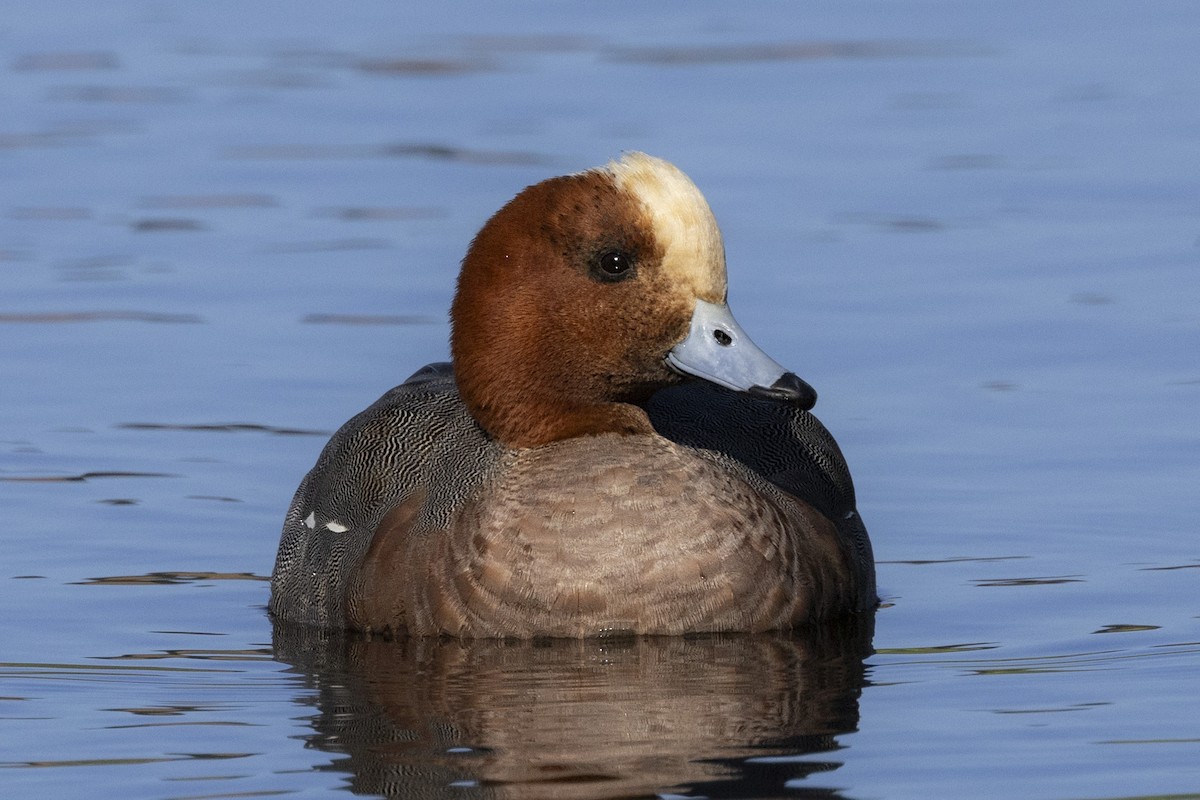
{"x":231,"y":427}
{"x":44,"y":317}
{"x":80,"y":478}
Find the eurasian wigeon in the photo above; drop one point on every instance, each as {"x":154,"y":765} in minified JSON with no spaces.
{"x":563,"y":477}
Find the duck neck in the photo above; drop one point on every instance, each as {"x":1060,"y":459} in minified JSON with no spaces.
{"x":521,"y":414}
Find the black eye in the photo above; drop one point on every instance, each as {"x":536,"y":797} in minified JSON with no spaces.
{"x":613,"y":265}
{"x":614,"y":262}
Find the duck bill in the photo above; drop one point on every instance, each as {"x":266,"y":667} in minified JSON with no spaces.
{"x":717,"y":350}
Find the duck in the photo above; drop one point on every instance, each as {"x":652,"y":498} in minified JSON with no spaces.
{"x":607,"y":452}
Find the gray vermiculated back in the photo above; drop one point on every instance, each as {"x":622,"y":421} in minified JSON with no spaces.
{"x":417,"y":436}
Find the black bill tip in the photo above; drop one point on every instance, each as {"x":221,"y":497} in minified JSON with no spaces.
{"x":788,"y":389}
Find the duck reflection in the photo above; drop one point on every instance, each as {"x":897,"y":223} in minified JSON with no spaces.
{"x":630,"y":717}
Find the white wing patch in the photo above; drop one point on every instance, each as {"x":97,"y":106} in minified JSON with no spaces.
{"x":333,"y":525}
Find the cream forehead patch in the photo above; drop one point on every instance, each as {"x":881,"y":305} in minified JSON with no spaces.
{"x":683,"y":223}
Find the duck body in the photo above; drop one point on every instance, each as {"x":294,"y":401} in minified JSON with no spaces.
{"x":705,"y":528}
{"x":561,"y":478}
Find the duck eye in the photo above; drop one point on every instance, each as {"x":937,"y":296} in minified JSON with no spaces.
{"x":613,"y":265}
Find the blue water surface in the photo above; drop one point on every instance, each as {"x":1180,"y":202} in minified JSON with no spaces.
{"x":973,"y":227}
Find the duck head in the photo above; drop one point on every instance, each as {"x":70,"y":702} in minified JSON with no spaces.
{"x":587,"y":293}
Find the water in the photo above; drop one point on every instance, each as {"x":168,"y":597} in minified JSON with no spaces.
{"x":975,"y":228}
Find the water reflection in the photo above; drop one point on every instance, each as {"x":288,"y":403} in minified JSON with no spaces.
{"x":580,"y":719}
